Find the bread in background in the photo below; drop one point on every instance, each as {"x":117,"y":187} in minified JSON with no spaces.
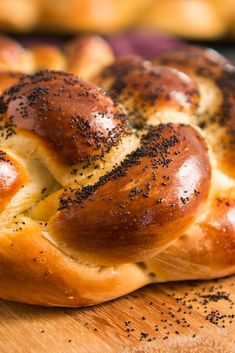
{"x":19,"y":15}
{"x":194,"y":19}
{"x":91,"y":15}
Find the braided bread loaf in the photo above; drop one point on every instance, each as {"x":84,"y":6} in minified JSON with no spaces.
{"x":102,"y":193}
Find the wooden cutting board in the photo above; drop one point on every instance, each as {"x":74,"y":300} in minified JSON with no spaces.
{"x":195,"y":317}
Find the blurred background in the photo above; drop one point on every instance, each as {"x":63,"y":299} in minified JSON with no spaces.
{"x":145,"y":27}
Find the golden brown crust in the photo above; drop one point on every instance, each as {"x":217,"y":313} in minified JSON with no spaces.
{"x":83,"y":56}
{"x":200,"y":61}
{"x":206,"y":250}
{"x":145,"y":89}
{"x":48,"y":56}
{"x":34,"y":271}
{"x":150,"y":202}
{"x":162,"y":193}
{"x":208,"y":65}
{"x":86,"y":56}
{"x":75,"y":118}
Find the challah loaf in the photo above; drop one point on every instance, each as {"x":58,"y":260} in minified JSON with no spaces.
{"x":105,"y":190}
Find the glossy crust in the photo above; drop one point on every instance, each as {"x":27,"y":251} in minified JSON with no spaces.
{"x":158,"y":200}
{"x":207,"y":66}
{"x":73,"y":117}
{"x":161,"y":186}
{"x":144,"y":89}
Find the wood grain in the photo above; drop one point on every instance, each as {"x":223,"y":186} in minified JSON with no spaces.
{"x":137,"y":323}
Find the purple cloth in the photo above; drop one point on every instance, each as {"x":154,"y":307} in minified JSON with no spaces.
{"x":143,"y":43}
